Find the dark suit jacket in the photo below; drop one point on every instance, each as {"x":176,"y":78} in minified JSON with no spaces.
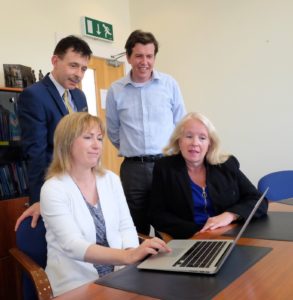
{"x":40,"y":108}
{"x":171,"y":206}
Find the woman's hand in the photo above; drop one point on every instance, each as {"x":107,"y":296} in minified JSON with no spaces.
{"x":149,"y":246}
{"x":221,"y":220}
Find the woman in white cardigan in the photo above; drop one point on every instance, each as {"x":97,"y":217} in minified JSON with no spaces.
{"x":89,"y":227}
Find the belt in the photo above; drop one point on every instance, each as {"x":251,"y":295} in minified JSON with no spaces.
{"x":145,"y":158}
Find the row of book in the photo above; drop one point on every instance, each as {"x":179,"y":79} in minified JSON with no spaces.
{"x":9,"y":125}
{"x":13,"y":180}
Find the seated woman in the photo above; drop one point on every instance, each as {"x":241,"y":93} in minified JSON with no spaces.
{"x":89,"y":227}
{"x":196,"y":187}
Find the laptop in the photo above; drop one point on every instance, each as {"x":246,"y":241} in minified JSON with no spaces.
{"x":196,"y":256}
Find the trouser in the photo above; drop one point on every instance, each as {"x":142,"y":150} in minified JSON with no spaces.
{"x":136,"y":178}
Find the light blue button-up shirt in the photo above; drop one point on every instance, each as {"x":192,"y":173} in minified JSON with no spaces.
{"x":141,"y":116}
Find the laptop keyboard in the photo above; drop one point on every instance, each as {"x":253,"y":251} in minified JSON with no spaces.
{"x":200,"y":255}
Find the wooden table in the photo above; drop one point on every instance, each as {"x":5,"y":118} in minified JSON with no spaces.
{"x":269,"y":278}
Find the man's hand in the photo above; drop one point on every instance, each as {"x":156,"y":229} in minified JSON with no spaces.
{"x":33,"y":211}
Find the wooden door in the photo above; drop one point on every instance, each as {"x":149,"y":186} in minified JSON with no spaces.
{"x":105,"y":74}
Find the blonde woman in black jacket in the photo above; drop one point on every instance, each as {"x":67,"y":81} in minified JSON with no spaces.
{"x":196,"y":187}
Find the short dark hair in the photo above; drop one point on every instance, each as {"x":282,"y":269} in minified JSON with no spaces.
{"x":139,"y":36}
{"x":78,"y":45}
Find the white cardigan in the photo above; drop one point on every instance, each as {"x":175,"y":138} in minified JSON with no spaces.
{"x":71,"y":230}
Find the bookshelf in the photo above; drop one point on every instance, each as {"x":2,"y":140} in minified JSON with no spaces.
{"x":13,"y":190}
{"x":13,"y":178}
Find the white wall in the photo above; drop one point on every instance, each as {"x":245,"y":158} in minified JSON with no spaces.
{"x":234,"y":62}
{"x":31,"y":28}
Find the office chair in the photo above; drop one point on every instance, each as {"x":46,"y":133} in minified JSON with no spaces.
{"x":280,"y":185}
{"x":31,"y":256}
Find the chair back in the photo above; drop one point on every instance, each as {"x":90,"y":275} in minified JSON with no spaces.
{"x":280,"y":185}
{"x":32,"y":242}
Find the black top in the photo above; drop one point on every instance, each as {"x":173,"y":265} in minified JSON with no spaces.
{"x":171,"y":206}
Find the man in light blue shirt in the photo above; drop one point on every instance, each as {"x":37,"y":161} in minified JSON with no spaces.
{"x":142,"y":110}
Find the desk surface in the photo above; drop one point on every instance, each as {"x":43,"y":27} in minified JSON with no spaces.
{"x":269,"y":278}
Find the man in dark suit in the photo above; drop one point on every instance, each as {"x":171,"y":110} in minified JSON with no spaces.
{"x":42,"y":105}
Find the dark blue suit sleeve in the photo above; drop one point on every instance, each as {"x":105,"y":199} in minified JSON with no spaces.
{"x":36,"y":148}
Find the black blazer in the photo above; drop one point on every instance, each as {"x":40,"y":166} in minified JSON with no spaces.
{"x":40,"y":108}
{"x":171,"y":205}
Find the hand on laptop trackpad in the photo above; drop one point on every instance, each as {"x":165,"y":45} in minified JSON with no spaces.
{"x":174,"y":253}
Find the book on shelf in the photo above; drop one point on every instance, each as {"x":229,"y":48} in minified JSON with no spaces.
{"x":14,"y":128}
{"x":9,"y":125}
{"x":13,"y":180}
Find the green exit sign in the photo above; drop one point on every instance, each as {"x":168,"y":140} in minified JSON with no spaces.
{"x":98,"y":29}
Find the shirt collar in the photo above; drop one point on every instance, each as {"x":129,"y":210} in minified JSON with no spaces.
{"x":58,"y":86}
{"x":128,"y":80}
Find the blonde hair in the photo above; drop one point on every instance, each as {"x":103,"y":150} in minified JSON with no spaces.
{"x":214,"y":155}
{"x":67,"y":131}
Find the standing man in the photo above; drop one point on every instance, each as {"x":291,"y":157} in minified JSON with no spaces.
{"x":142,"y":110}
{"x":43,"y":104}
